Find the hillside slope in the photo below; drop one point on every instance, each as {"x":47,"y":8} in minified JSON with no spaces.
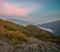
{"x":17,"y":38}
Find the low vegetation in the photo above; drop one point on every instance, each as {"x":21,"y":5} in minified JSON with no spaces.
{"x":16,"y":33}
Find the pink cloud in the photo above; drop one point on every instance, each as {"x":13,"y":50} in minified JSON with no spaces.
{"x":9,"y":9}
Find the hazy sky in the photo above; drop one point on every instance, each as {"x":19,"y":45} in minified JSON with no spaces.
{"x":35,"y":11}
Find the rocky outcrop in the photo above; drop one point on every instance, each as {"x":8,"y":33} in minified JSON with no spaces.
{"x":32,"y":45}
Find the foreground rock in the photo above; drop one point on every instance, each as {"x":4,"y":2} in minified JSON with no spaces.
{"x":32,"y":45}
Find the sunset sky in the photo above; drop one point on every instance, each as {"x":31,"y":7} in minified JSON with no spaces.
{"x":34,"y":11}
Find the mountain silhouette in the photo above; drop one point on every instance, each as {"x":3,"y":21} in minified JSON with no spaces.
{"x":54,"y":26}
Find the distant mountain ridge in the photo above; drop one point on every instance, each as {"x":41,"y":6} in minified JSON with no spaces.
{"x":18,"y":21}
{"x":54,"y":26}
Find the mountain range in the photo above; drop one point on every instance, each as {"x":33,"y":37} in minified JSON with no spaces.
{"x":54,"y":26}
{"x":29,"y":38}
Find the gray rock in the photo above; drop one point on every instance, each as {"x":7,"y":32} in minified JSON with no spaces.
{"x":32,"y":45}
